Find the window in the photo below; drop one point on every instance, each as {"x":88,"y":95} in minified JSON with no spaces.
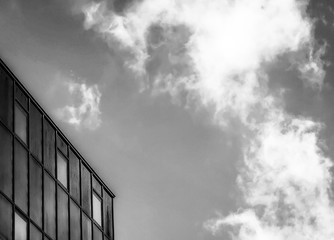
{"x":61,"y":144}
{"x":97,"y":234}
{"x":35,"y":234}
{"x":21,"y":97}
{"x":107,"y":214}
{"x":86,"y":190}
{"x":6,"y":99}
{"x":35,"y":182}
{"x":5,"y":218}
{"x":20,"y":227}
{"x":49,"y":147}
{"x":75,"y":221}
{"x":21,"y":123}
{"x":96,"y":186}
{"x":6,"y":162}
{"x":62,"y":214}
{"x":97,"y":207}
{"x":35,"y":132}
{"x":62,"y":169}
{"x":74,"y":176}
{"x":49,"y":206}
{"x":86,"y":228}
{"x":21,"y":176}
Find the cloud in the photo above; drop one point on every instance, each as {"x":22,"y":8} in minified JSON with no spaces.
{"x":84,"y":111}
{"x":216,"y":53}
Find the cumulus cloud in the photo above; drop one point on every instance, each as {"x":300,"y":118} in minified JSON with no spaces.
{"x":84,"y":111}
{"x":220,"y":63}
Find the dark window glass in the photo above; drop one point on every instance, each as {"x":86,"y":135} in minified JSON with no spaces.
{"x":61,"y":144}
{"x":20,"y":228}
{"x":62,"y":169}
{"x":21,"y":97}
{"x":86,"y":228}
{"x":35,"y":131}
{"x":74,"y":176}
{"x":5,"y":218}
{"x":6,"y":162}
{"x":49,"y":147}
{"x":62,"y":214}
{"x":35,"y":192}
{"x":21,"y":123}
{"x":6,"y":99}
{"x":21,"y":176}
{"x":97,"y":234}
{"x":49,"y":206}
{"x":35,"y":234}
{"x":75,"y":221}
{"x":97,"y":209}
{"x":107,"y":214}
{"x":97,"y":186}
{"x":86,"y":189}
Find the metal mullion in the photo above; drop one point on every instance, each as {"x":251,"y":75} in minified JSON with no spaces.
{"x":13,"y":163}
{"x":56,"y":182}
{"x":43,"y":169}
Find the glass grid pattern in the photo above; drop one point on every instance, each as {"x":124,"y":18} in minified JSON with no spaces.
{"x":69,"y":206}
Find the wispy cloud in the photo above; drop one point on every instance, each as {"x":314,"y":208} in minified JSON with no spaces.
{"x":84,"y":109}
{"x":221,"y":63}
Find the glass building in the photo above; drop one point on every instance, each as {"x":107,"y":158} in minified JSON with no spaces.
{"x":47,"y":189}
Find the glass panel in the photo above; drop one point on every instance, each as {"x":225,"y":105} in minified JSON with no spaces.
{"x":97,"y":234}
{"x":86,"y":228}
{"x":49,"y":147}
{"x":21,"y":176}
{"x":74,"y":176}
{"x":35,"y":234}
{"x":35,"y":132}
{"x":75,"y":221}
{"x":86,"y":189}
{"x":50,"y":206}
{"x":97,"y":208}
{"x":62,"y":214}
{"x":61,"y":144}
{"x":6,"y":162}
{"x":21,"y":123}
{"x":5,"y":218}
{"x":20,"y":228}
{"x":96,"y":186}
{"x":62,"y":169}
{"x":21,"y":97}
{"x":6,"y":99}
{"x":107,"y":214}
{"x":35,"y":191}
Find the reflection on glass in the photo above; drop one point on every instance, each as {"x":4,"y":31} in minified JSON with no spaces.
{"x":97,"y":209}
{"x":35,"y":192}
{"x":86,"y":190}
{"x":107,"y":214}
{"x":75,"y":221}
{"x":20,"y":228}
{"x":21,"y":123}
{"x":86,"y":228}
{"x":6,"y":99}
{"x":35,"y":234}
{"x":96,"y":186}
{"x":74,"y":176}
{"x":49,"y":147}
{"x":5,"y":219}
{"x":62,"y":214}
{"x":97,"y":234}
{"x":6,"y":162}
{"x":35,"y":131}
{"x":21,"y":176}
{"x":49,"y":206}
{"x":62,"y":169}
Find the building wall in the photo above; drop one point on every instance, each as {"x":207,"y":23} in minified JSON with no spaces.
{"x":47,"y":190}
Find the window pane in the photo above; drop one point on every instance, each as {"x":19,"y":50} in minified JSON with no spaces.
{"x":21,"y":123}
{"x":6,"y":162}
{"x":35,"y":132}
{"x":97,"y":206}
{"x":21,"y":97}
{"x":97,"y":234}
{"x":21,"y":176}
{"x":35,"y":192}
{"x":75,"y":221}
{"x":20,"y":228}
{"x":5,"y":219}
{"x":35,"y":234}
{"x":6,"y":99}
{"x":96,"y":186}
{"x":62,"y":214}
{"x":61,"y":144}
{"x":49,"y":147}
{"x":86,"y":189}
{"x":50,"y":206}
{"x":86,"y":228}
{"x":62,"y":169}
{"x":107,"y":214}
{"x":74,"y":176}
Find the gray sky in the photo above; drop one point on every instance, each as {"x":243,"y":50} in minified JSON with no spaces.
{"x":205,"y":119}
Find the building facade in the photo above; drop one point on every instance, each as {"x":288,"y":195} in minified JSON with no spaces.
{"x":47,"y":189}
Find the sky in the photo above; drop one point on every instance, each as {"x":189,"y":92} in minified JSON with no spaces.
{"x":207,"y":119}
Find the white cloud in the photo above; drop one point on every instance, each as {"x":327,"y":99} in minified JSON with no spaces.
{"x":285,"y":179}
{"x":84,"y":111}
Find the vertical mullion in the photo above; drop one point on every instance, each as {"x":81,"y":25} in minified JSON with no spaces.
{"x":56,"y":179}
{"x":13,"y":164}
